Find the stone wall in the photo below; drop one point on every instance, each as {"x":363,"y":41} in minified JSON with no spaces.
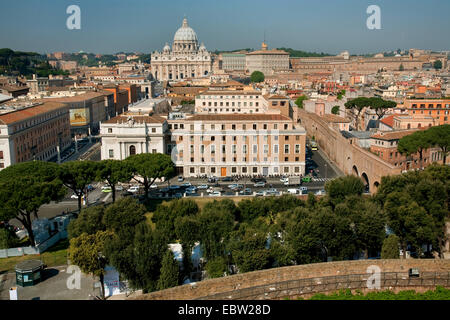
{"x":212,"y":288}
{"x":345,"y":153}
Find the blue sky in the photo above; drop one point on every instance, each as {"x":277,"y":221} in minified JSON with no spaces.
{"x":109,"y":26}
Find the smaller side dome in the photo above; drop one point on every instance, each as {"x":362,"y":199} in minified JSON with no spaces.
{"x":166,"y":47}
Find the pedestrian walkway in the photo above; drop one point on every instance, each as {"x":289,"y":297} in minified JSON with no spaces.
{"x":322,"y":179}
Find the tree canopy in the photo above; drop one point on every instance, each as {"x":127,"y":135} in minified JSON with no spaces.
{"x":25,"y":187}
{"x":257,"y":76}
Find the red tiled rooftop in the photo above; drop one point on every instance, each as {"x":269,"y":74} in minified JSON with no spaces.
{"x":29,"y":112}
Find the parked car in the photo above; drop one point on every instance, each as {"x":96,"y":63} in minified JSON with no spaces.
{"x":246,"y":192}
{"x":259,"y":184}
{"x":106,"y":189}
{"x":233,"y":186}
{"x":213,"y":179}
{"x":177,"y":195}
{"x":254,"y":180}
{"x":191,"y":189}
{"x":174,"y":187}
{"x":202,"y":187}
{"x":320,"y":192}
{"x":215,"y":194}
{"x":284,"y":180}
{"x":119,"y":188}
{"x":154,"y":186}
{"x":74,"y":196}
{"x":227,"y":179}
{"x":259,"y":194}
{"x":186,"y":184}
{"x":133,"y":189}
{"x":180,"y":179}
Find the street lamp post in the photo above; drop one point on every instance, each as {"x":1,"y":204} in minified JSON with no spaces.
{"x":326,"y":170}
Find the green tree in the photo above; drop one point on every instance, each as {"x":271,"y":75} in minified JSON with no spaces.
{"x":356,"y":106}
{"x":90,"y":220}
{"x":390,"y":249}
{"x":124,"y":215}
{"x":169,"y":272}
{"x":335,"y":110}
{"x":76,"y":175}
{"x":87,"y":252}
{"x":216,"y":224}
{"x":257,"y":76}
{"x":413,"y":143}
{"x":380,"y":106}
{"x":8,"y":239}
{"x":113,"y":172}
{"x":437,"y":64}
{"x":138,"y":258}
{"x":440,"y":136}
{"x":299,"y":101}
{"x":187,"y":229}
{"x":248,"y":249}
{"x":166,"y":213}
{"x":24,"y":188}
{"x":338,"y":189}
{"x":151,"y":166}
{"x":216,"y":267}
{"x":401,"y":68}
{"x":341,"y":94}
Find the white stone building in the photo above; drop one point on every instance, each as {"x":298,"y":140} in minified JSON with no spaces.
{"x":186,"y":59}
{"x":130,"y":134}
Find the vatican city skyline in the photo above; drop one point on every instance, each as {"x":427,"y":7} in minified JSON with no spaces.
{"x":332,"y":27}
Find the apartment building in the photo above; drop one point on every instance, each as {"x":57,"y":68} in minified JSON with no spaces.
{"x":34,"y":133}
{"x":88,"y":110}
{"x":439,"y":109}
{"x":235,"y":101}
{"x":232,"y":144}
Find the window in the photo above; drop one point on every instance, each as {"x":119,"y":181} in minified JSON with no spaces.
{"x":244,"y":149}
{"x":109,"y":130}
{"x":154,"y":151}
{"x":286,"y":169}
{"x":233,"y":148}
{"x":297,"y":148}
{"x":213,"y":149}
{"x":275,"y":148}
{"x":286,"y":148}
{"x":111,"y":154}
{"x":224,"y":149}
{"x":233,"y":127}
{"x":202,"y":149}
{"x":153,"y":130}
{"x":132,"y":150}
{"x":254,"y":126}
{"x":266,"y":148}
{"x":192,"y":169}
{"x":286,"y":138}
{"x":255,"y":148}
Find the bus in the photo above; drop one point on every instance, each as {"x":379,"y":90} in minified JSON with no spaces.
{"x":313,"y":145}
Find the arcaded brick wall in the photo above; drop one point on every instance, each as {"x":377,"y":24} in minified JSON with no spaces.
{"x":272,"y":276}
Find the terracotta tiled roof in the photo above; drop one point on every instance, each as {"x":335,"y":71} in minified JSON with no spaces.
{"x":393,"y":135}
{"x":82,"y":97}
{"x":29,"y":112}
{"x":277,"y":96}
{"x":231,"y":92}
{"x":389,"y":121}
{"x":239,"y":117}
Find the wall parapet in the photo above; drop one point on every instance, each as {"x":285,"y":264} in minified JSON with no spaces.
{"x":268,"y":278}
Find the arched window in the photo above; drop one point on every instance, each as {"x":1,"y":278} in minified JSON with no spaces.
{"x":132,"y":150}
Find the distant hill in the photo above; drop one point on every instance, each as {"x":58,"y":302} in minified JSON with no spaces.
{"x":25,"y":63}
{"x":302,"y":54}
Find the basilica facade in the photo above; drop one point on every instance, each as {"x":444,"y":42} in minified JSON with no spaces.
{"x":186,"y":59}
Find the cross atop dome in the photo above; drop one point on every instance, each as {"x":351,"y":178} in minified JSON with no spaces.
{"x":185,"y":23}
